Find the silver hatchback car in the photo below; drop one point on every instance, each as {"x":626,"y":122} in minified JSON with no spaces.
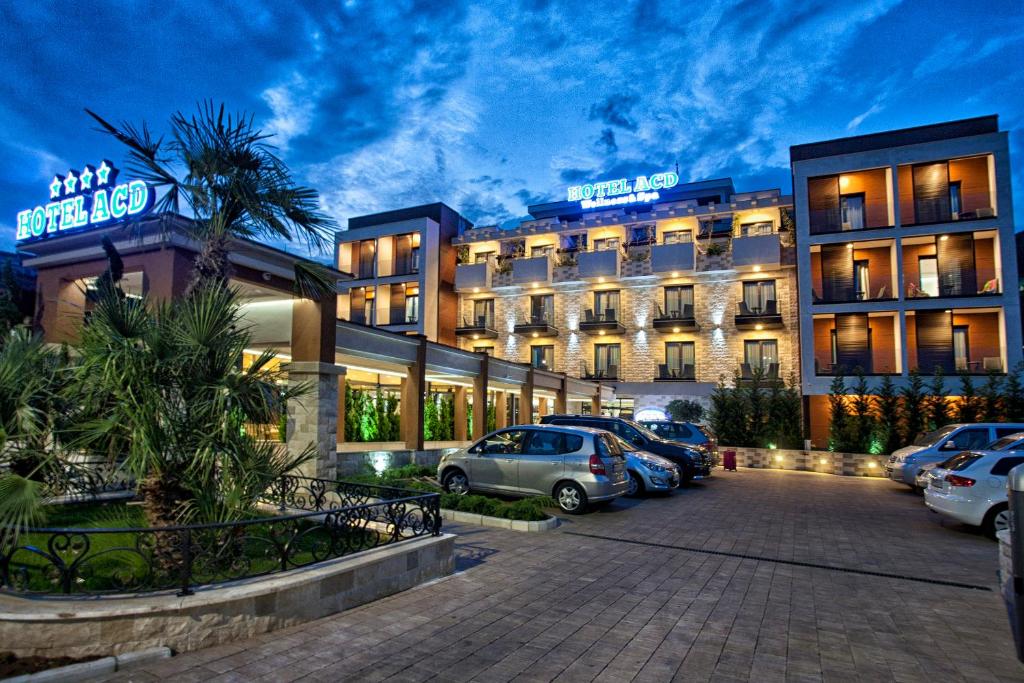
{"x":576,"y":466}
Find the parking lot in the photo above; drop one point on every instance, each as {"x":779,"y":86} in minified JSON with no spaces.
{"x":756,"y":575}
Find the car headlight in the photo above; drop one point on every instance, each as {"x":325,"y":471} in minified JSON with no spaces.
{"x":654,"y":467}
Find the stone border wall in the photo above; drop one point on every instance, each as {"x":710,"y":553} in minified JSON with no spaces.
{"x":216,"y":615}
{"x":848,"y":464}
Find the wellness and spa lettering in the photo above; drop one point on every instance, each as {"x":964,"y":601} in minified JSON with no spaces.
{"x":81,"y":200}
{"x":621,"y":191}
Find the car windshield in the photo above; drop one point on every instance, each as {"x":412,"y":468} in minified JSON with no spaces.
{"x":1011,"y":442}
{"x":931,"y":438}
{"x":960,"y":461}
{"x":623,"y":444}
{"x":643,"y":430}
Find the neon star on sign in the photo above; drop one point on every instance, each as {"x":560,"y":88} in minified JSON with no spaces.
{"x":90,"y":199}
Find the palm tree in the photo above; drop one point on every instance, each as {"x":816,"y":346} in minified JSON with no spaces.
{"x":234,"y":185}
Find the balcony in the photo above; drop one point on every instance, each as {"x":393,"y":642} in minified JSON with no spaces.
{"x":768,"y":318}
{"x":846,"y":343}
{"x":952,"y":265}
{"x":849,"y":201}
{"x":672,"y":258}
{"x":526,"y":271}
{"x":856,"y":271}
{"x":683,"y":373}
{"x":471,"y":277}
{"x":601,"y":323}
{"x":536,"y":326}
{"x":676,"y":321}
{"x":481,"y":328}
{"x":608,"y":374}
{"x":597,"y":264}
{"x":756,"y":250}
{"x":947,"y":191}
{"x":770,"y":373}
{"x":956,"y":340}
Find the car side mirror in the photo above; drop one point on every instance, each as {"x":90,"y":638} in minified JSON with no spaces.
{"x":638,"y":440}
{"x":951,"y":446}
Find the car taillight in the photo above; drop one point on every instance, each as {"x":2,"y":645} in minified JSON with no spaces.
{"x":596,"y":465}
{"x":956,"y":480}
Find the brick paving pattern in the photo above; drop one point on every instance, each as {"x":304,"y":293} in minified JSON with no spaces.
{"x":705,"y":584}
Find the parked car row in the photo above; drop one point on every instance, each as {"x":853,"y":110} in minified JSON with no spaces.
{"x":962,"y":471}
{"x":579,"y":460}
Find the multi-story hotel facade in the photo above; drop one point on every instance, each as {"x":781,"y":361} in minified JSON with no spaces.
{"x":906,"y":257}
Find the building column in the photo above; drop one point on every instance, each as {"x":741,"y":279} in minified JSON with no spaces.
{"x":480,"y":398}
{"x":562,"y":398}
{"x":413,"y":386}
{"x":313,"y":417}
{"x":526,"y":400}
{"x":595,"y":402}
{"x":500,"y":410}
{"x":460,"y":414}
{"x":342,"y":384}
{"x":542,"y":406}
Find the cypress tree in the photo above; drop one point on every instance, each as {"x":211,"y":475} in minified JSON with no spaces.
{"x":756,"y":411}
{"x":968,"y":409}
{"x":1013,"y":396}
{"x":888,"y":404}
{"x":938,"y":408}
{"x":351,"y":414}
{"x":839,"y":426}
{"x":991,"y":403}
{"x":863,"y":424}
{"x":914,"y":411}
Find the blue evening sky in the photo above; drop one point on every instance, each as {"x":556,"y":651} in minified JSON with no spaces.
{"x":493,"y":106}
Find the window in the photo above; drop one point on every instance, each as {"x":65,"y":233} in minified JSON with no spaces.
{"x":544,"y":442}
{"x":928,"y":274}
{"x":414,"y":260}
{"x":679,"y":357}
{"x":968,"y":439}
{"x":641,"y":234}
{"x":606,"y":305}
{"x":851,"y":208}
{"x":1007,"y":431}
{"x":606,"y":360}
{"x":361,"y":308}
{"x":508,"y":442}
{"x":961,"y":347}
{"x":1003,"y":467}
{"x":606,"y":243}
{"x":489,"y":350}
{"x":367,"y":253}
{"x":755,"y":229}
{"x":955,"y":199}
{"x":482,"y":256}
{"x":412,"y":305}
{"x":861,"y":280}
{"x":542,"y":357}
{"x":542,"y":309}
{"x":677,"y":237}
{"x":761,"y":354}
{"x":483,"y":313}
{"x":541,"y":250}
{"x":677,"y":299}
{"x":756,"y":295}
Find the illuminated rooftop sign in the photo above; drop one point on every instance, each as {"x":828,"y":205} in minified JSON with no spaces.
{"x":619,"y":192}
{"x":82,"y":200}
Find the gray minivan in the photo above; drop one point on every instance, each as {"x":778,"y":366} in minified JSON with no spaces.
{"x":944,"y":442}
{"x":574,"y":465}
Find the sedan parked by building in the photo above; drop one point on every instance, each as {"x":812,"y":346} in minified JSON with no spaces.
{"x":940,"y":444}
{"x":577,"y":466}
{"x":971,"y":488}
{"x":648,"y":472}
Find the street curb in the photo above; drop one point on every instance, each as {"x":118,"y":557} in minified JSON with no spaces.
{"x":96,"y":667}
{"x":499,"y":522}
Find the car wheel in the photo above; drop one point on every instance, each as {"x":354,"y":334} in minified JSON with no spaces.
{"x":455,"y":481}
{"x":571,"y":498}
{"x":997,"y":519}
{"x":636,"y":484}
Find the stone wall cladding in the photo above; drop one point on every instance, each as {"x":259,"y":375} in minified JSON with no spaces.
{"x":111,"y":626}
{"x":313,"y":419}
{"x":846,"y":464}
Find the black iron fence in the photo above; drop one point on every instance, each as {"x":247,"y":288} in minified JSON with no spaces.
{"x":317,"y":520}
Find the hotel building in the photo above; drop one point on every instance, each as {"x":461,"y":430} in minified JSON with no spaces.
{"x":906,"y":257}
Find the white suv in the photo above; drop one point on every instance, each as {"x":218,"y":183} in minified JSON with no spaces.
{"x":971,"y":488}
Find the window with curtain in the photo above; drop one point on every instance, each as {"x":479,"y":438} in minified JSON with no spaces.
{"x":861,"y":280}
{"x":482,"y":256}
{"x":928,"y":274}
{"x":756,"y":295}
{"x":541,"y":250}
{"x":542,"y":357}
{"x":677,"y":298}
{"x":931,"y":192}
{"x":412,"y":305}
{"x":489,"y":350}
{"x":606,"y":305}
{"x":369,"y":310}
{"x":542,"y":309}
{"x":606,"y":359}
{"x":760,"y":354}
{"x":367,"y":257}
{"x":961,"y":348}
{"x":677,"y":237}
{"x":851,"y":208}
{"x":483,"y":313}
{"x":755,"y":229}
{"x":606,"y":243}
{"x":679,"y":355}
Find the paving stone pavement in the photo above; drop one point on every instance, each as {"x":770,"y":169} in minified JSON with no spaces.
{"x":753,"y":576}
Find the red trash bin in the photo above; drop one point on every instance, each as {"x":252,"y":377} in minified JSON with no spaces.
{"x":729,"y":460}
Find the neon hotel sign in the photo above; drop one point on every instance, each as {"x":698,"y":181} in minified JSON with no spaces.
{"x":82,"y":200}
{"x":618,"y":192}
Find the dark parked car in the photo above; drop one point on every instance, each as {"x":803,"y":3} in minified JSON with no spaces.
{"x":685,"y":432}
{"x":694,"y":463}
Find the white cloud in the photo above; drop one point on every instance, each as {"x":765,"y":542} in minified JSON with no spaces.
{"x":293,"y":106}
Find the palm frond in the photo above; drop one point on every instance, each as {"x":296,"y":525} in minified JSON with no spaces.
{"x":314,"y":281}
{"x":20,"y":503}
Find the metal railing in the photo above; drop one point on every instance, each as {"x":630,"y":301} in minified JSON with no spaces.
{"x":335,"y":519}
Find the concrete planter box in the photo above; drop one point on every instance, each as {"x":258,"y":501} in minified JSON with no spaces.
{"x":827,"y":462}
{"x":499,"y":522}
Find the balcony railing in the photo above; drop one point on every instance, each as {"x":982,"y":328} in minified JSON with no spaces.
{"x":537,"y":325}
{"x":768,"y":318}
{"x":675,"y":257}
{"x":470,"y":276}
{"x":609,"y":373}
{"x":595,"y":264}
{"x":531,"y":270}
{"x":606,"y":322}
{"x":480,"y":327}
{"x":770,"y":372}
{"x":676,"y":320}
{"x":681,"y":373}
{"x":756,"y":250}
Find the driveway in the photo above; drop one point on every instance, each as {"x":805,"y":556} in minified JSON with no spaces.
{"x":756,"y":575}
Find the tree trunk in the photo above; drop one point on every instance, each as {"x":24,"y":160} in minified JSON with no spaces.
{"x":162,"y":499}
{"x":211,"y":265}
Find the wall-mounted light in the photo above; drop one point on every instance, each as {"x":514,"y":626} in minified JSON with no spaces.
{"x":536,"y":334}
{"x":600,"y":279}
{"x":601,"y":332}
{"x":675,"y":273}
{"x":759,"y":327}
{"x":476,"y":336}
{"x":676,"y":330}
{"x":757,"y":269}
{"x":535,"y":285}
{"x":476,"y":290}
{"x":823,"y":461}
{"x":850,"y":245}
{"x":944,"y":238}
